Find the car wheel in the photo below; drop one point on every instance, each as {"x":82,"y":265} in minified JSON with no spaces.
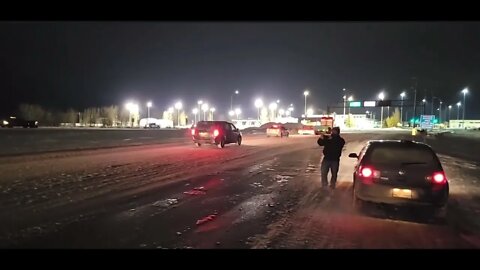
{"x":221,"y":144}
{"x":239,"y":141}
{"x":198,"y":144}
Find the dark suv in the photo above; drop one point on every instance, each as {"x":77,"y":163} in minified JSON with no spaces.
{"x":216,"y":132}
{"x":13,"y":121}
{"x":401,"y":173}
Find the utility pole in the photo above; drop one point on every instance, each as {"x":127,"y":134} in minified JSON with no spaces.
{"x":414,"y":99}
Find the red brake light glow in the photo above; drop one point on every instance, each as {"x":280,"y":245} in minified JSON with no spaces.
{"x":367,"y":172}
{"x":439,"y":178}
{"x":193,"y":131}
{"x":215,"y":133}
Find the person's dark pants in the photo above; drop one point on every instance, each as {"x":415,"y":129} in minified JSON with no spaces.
{"x":329,"y":165}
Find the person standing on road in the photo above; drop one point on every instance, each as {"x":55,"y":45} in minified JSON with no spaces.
{"x":332,"y":150}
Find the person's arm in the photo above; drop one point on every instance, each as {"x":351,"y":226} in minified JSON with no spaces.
{"x":321,"y":141}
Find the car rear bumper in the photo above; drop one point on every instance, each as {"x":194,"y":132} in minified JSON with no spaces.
{"x":378,"y":193}
{"x":206,"y":140}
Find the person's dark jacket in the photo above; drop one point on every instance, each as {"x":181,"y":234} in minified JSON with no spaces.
{"x":332,"y":147}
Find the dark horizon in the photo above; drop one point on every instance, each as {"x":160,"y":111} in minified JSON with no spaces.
{"x":88,"y":64}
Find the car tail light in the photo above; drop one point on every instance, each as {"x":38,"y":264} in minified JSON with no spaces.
{"x":193,"y":131}
{"x":366,"y":172}
{"x":215,"y":133}
{"x":439,"y":178}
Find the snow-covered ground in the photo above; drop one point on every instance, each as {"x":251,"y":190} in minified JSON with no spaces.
{"x":22,"y":141}
{"x":265,"y":193}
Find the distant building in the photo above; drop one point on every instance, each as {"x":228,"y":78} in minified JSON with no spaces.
{"x":467,"y":124}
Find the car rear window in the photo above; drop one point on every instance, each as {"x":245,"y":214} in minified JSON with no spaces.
{"x":205,"y":125}
{"x":402,"y":154}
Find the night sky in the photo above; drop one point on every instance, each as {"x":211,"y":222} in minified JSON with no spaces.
{"x":80,"y":64}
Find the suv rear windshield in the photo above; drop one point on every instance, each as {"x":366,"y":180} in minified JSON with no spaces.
{"x":208,"y":125}
{"x":400,"y":153}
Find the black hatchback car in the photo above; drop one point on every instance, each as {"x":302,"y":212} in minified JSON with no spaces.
{"x":219,"y":133}
{"x":401,"y":173}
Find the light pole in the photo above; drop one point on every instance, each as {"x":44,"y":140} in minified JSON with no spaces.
{"x":149,"y":105}
{"x":204,"y":109}
{"x":195,"y":111}
{"x":458,"y":109}
{"x":231,"y":99}
{"x":238,"y":112}
{"x":464,"y":91}
{"x":178,"y":106}
{"x":272,"y":107}
{"x":424,"y":101}
{"x":212,"y":110}
{"x":344,"y":101}
{"x":306,"y":93}
{"x":449,"y":113}
{"x":350,"y":98}
{"x":258,"y":105}
{"x":133,"y":110}
{"x":440,"y":112}
{"x":402,"y":95}
{"x":199,"y":103}
{"x":381,"y":96}
{"x":281,"y":112}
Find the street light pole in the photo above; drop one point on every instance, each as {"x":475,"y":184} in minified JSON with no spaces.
{"x":231,"y":99}
{"x":440,"y":113}
{"x":149,"y":104}
{"x":449,"y":112}
{"x":344,"y":101}
{"x":381,"y":96}
{"x":464,"y":91}
{"x":414,"y":100}
{"x":458,"y":110}
{"x":402,"y":95}
{"x":305,"y":93}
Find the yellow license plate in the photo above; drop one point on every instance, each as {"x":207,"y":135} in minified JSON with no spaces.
{"x":402,"y":193}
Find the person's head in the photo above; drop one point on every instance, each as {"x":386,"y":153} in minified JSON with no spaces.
{"x":336,"y":131}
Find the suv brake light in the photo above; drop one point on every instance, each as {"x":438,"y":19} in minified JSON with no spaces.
{"x":193,"y":131}
{"x":439,"y":178}
{"x":215,"y":133}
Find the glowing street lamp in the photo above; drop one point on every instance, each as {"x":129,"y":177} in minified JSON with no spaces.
{"x":381,"y":96}
{"x":204,"y":109}
{"x":258,"y":105}
{"x":133,"y":110}
{"x":195,"y":112}
{"x":178,"y":106}
{"x":465,"y":92}
{"x":306,"y":93}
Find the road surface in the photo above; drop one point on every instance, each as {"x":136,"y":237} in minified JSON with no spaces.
{"x":263,"y":194}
